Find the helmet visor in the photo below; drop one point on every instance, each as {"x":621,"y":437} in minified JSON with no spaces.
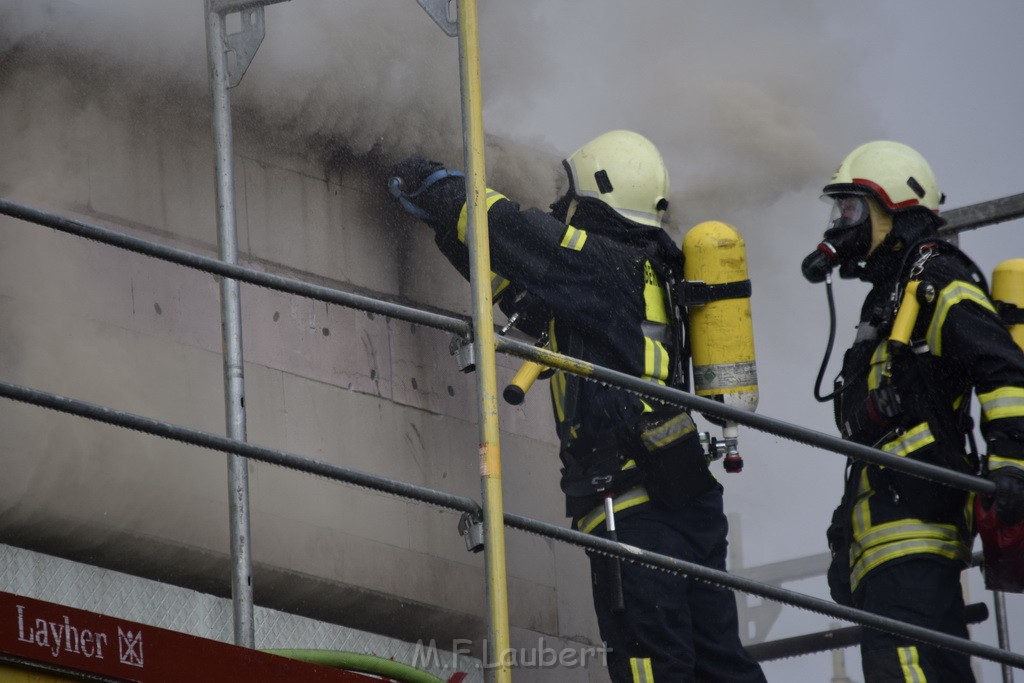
{"x":848,"y":210}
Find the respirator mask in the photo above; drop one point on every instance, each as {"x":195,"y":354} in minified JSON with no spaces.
{"x":846,"y":241}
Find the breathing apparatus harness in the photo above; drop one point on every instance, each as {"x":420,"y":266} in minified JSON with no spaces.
{"x":899,"y":314}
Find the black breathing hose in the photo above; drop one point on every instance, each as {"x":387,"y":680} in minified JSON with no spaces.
{"x":831,"y":341}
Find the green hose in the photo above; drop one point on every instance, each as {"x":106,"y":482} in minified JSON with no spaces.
{"x":368,"y":664}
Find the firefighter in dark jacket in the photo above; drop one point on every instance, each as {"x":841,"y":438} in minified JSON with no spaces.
{"x":908,"y":392}
{"x":598,"y":264}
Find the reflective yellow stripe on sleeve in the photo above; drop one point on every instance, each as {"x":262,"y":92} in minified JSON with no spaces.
{"x":667,"y":432}
{"x":953,"y":294}
{"x":573,"y":238}
{"x":910,"y":665}
{"x":498,"y":283}
{"x":1002,"y":403}
{"x":492,"y":198}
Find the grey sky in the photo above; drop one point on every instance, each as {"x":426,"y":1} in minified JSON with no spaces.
{"x":755,"y":103}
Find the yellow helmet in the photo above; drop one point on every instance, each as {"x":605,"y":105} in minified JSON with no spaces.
{"x":624,"y":170}
{"x":897,"y":175}
{"x":893,"y":176}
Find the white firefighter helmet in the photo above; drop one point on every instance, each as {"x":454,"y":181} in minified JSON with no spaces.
{"x":624,"y":170}
{"x":895,"y":175}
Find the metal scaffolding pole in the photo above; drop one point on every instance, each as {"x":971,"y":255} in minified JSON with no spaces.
{"x":478,"y":242}
{"x":231,"y":327}
{"x":1002,"y":631}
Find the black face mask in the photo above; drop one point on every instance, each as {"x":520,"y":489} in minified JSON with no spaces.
{"x":843,"y":244}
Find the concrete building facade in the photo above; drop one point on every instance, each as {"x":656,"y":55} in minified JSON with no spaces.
{"x":116,"y":328}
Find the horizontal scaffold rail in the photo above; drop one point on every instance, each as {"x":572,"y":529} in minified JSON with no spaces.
{"x":215,"y":266}
{"x":981,"y":214}
{"x":738,"y":415}
{"x":503,"y":344}
{"x":835,"y":638}
{"x":629,"y":553}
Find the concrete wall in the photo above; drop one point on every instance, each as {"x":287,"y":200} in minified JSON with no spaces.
{"x":119,"y":329}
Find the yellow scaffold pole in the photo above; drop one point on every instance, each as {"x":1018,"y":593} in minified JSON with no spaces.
{"x":497,"y":650}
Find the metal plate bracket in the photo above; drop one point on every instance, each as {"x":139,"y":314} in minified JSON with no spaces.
{"x":243,"y":44}
{"x":439,"y":12}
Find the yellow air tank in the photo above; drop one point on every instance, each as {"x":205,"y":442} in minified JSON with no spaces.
{"x":1008,"y":290}
{"x":720,"y":325}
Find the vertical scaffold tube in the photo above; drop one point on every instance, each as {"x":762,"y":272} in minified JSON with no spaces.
{"x":231,"y":328}
{"x":483,"y":336}
{"x":1002,"y":631}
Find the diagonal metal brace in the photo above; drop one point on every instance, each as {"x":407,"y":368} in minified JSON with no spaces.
{"x":438,"y":11}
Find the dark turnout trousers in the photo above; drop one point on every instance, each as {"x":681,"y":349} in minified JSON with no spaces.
{"x":922,"y":592}
{"x":674,"y":629}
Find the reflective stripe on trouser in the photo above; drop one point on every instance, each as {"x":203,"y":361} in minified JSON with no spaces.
{"x":641,"y":670}
{"x":910,"y":664}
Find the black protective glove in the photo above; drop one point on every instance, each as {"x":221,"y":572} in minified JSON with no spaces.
{"x":885,"y":406}
{"x":880,"y":412}
{"x":410,"y":180}
{"x":1009,"y":497}
{"x":408,"y":175}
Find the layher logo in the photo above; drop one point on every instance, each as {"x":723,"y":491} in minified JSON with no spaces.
{"x":63,"y":637}
{"x":129,"y":646}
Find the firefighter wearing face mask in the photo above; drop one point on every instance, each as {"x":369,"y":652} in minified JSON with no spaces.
{"x":905,"y":387}
{"x":598,"y":263}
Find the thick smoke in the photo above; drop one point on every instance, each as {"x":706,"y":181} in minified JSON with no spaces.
{"x":734,"y":104}
{"x":743,"y":114}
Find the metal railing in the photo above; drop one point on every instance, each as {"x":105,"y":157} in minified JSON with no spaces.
{"x":458,"y":503}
